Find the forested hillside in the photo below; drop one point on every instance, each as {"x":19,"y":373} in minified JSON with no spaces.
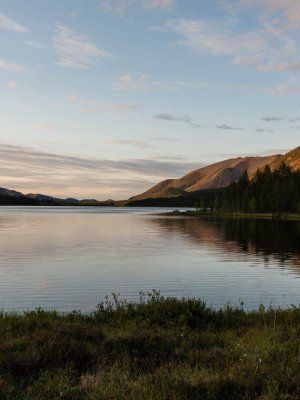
{"x":269,"y":191}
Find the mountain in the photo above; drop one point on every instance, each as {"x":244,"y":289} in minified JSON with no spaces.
{"x":292,"y":159}
{"x":171,"y":192}
{"x":44,"y":199}
{"x":214,"y":176}
{"x":10,"y":193}
{"x":12,"y":197}
{"x":8,"y":196}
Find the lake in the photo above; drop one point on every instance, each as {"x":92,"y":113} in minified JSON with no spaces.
{"x":70,"y":258}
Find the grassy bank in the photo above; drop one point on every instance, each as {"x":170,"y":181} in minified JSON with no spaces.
{"x":232,"y":214}
{"x":157,"y":349}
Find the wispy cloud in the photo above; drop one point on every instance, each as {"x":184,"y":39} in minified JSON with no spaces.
{"x":131,"y":83}
{"x":120,"y":6}
{"x":172,"y":157}
{"x":167,"y":140}
{"x":10,"y":25}
{"x":123,"y":107}
{"x":140,"y":144}
{"x":228,"y":127}
{"x":263,"y":130}
{"x":287,"y":10}
{"x":33,"y":43}
{"x":162,"y":4}
{"x":170,"y":117}
{"x":84,"y":100}
{"x":143,"y":83}
{"x":45,"y":126}
{"x":273,"y":119}
{"x":289,"y":88}
{"x":13,"y":67}
{"x":74,"y":50}
{"x":96,"y":106}
{"x":280,"y":119}
{"x":265,"y":47}
{"x":183,"y":118}
{"x":27,"y":169}
{"x":189,"y":120}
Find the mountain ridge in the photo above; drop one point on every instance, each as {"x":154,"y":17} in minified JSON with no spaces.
{"x":213,"y":176}
{"x":8,"y":196}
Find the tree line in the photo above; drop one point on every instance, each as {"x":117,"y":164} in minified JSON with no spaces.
{"x":269,"y":191}
{"x":17,"y":201}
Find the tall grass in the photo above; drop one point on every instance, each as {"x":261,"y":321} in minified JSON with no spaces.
{"x":159,"y":348}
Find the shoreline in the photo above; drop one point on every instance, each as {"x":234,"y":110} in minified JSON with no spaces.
{"x":157,"y":349}
{"x":235,"y":215}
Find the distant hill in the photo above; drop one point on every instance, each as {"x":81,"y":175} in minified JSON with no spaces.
{"x":10,"y":193}
{"x":12,"y":197}
{"x":214,"y":176}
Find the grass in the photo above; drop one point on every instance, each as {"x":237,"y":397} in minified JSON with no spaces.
{"x":237,"y":214}
{"x":159,"y":348}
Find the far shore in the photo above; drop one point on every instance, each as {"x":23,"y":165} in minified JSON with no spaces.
{"x":234,"y":214}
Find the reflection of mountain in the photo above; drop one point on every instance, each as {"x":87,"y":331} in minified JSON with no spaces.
{"x":279,"y":240}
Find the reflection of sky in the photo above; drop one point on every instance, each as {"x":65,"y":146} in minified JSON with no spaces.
{"x":65,"y":260}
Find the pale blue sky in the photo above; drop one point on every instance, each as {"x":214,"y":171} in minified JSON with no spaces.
{"x":104,"y":98}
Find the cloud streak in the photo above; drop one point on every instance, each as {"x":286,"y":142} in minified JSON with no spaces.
{"x":183,"y":118}
{"x":170,"y":117}
{"x":289,"y":10}
{"x":74,"y":50}
{"x":228,"y":127}
{"x":265,"y":46}
{"x":28,"y":169}
{"x":123,"y":107}
{"x":32,"y":43}
{"x":128,"y":82}
{"x":46,"y":127}
{"x":142,"y":83}
{"x":273,"y":119}
{"x":10,"y":25}
{"x":120,"y":6}
{"x":140,"y":144}
{"x":12,"y":67}
{"x":280,"y":119}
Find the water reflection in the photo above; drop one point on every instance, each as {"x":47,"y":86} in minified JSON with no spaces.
{"x":71,"y":258}
{"x":273,"y":241}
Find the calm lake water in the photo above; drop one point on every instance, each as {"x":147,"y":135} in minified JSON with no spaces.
{"x":70,"y":258}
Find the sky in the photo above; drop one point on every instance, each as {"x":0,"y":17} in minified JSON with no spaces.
{"x":104,"y":98}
